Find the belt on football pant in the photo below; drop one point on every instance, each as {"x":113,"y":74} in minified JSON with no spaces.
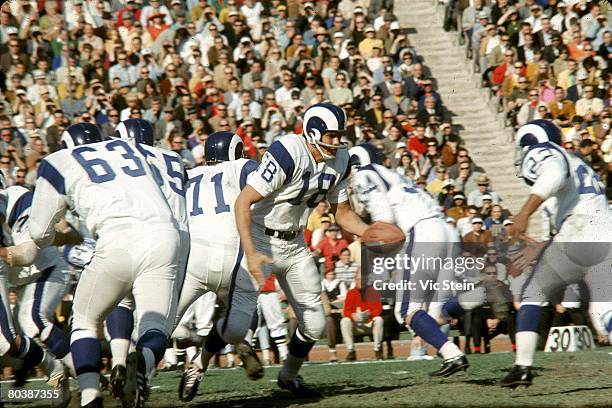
{"x":284,"y":235}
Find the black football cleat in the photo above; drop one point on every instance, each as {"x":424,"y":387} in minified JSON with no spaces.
{"x":351,"y":356}
{"x":117,"y":381}
{"x":190,"y":381}
{"x":451,"y":366}
{"x":298,"y":387}
{"x":518,"y":376}
{"x":250,"y":361}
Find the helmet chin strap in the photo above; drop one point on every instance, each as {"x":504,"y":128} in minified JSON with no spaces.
{"x":325,"y":156}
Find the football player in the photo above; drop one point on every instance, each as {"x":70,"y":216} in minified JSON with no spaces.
{"x":582,"y":244}
{"x":389,"y":197}
{"x":38,"y":276}
{"x":169,"y":173}
{"x":216,"y":258}
{"x":114,"y":191}
{"x":22,"y":253}
{"x":296,"y":173}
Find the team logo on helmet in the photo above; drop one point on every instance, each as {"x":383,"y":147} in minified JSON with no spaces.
{"x":80,"y":134}
{"x":223,"y":146}
{"x":364,"y":154}
{"x":137,"y":130}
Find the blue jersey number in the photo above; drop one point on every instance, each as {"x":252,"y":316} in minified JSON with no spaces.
{"x":589,"y":182}
{"x":269,"y":171}
{"x":175,"y":173}
{"x":325,"y":182}
{"x":195,"y":207}
{"x":221,"y":207}
{"x":99,"y":171}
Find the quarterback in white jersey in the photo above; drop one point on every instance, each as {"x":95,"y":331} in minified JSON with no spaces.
{"x":390,"y":197}
{"x":169,"y":173}
{"x":582,"y":247}
{"x":112,"y":188}
{"x":216,"y":259}
{"x":296,"y":173}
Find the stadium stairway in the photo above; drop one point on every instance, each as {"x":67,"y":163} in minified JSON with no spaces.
{"x":482,"y":127}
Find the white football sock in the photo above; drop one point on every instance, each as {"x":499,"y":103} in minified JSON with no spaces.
{"x":526,"y":344}
{"x":170,"y":357}
{"x":450,"y":350}
{"x":119,"y":350}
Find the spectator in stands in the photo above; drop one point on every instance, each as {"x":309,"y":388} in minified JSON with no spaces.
{"x":335,"y":291}
{"x":464,"y":224}
{"x":494,"y":222}
{"x":589,"y":106}
{"x":477,"y":239}
{"x":362,"y":317}
{"x":458,"y":209}
{"x":475,"y":197}
{"x":466,"y":180}
{"x":346,"y":268}
{"x":329,"y":247}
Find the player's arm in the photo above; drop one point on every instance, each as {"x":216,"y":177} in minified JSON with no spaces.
{"x":48,"y":204}
{"x":347,"y":219}
{"x":273,"y":171}
{"x":548,"y":173}
{"x":372,"y":194}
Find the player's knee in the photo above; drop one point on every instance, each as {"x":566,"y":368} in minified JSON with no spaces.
{"x":314,"y":328}
{"x":234,"y":334}
{"x":28,"y":327}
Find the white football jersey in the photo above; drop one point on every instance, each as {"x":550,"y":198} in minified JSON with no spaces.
{"x":211,"y":194}
{"x":553,"y":173}
{"x":17,"y":231}
{"x":107,"y":184}
{"x":292,"y":183}
{"x":390,"y":197}
{"x":169,"y":172}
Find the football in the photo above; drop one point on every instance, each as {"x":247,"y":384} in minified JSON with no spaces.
{"x":382,"y":238}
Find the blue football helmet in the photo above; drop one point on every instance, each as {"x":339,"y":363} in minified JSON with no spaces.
{"x":80,"y":134}
{"x":364,"y":154}
{"x":223,"y":146}
{"x":136,"y":130}
{"x":321,"y":118}
{"x":536,"y":132}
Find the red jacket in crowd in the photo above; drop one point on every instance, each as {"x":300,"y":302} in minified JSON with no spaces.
{"x":371,"y":302}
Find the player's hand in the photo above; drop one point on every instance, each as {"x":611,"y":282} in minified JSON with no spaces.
{"x":526,"y":257}
{"x":519,"y":227}
{"x":254,"y":263}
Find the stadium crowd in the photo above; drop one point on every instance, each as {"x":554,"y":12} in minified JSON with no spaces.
{"x":194,"y":67}
{"x":545,"y":59}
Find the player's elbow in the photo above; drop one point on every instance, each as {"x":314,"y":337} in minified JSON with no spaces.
{"x":41,"y":235}
{"x":23,"y":254}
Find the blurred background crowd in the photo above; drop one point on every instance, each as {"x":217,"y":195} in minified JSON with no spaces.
{"x":193,"y":67}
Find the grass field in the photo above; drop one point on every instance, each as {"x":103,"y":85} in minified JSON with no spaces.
{"x":582,"y":379}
